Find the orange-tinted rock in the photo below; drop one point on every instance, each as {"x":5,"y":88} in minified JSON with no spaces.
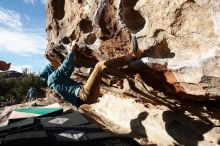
{"x":180,"y":38}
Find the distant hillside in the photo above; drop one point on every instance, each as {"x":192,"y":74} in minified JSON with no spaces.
{"x":11,"y":74}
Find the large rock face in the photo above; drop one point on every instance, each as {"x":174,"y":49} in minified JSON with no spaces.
{"x":181,"y":43}
{"x":158,"y":123}
{"x":180,"y":38}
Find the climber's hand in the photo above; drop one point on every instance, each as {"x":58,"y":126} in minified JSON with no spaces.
{"x":71,"y":47}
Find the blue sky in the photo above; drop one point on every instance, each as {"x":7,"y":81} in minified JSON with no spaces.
{"x":22,"y":33}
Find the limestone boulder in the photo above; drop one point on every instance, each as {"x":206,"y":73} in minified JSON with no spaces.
{"x":157,"y":123}
{"x":180,"y":38}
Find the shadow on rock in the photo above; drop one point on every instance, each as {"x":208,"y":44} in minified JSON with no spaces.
{"x":184,"y":130}
{"x":137,"y":127}
{"x":183,"y":101}
{"x":159,"y":50}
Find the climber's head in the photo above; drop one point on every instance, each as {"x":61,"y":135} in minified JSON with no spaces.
{"x":55,"y":54}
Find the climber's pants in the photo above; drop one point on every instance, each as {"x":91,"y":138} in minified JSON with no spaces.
{"x":90,"y":91}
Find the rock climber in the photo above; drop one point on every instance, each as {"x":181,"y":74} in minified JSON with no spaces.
{"x":31,"y":94}
{"x":57,"y":74}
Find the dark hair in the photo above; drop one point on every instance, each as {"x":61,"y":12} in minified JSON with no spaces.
{"x":57,"y":52}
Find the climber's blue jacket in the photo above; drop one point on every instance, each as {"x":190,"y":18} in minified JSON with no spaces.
{"x":60,"y":81}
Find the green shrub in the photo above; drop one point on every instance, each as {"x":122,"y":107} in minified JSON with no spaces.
{"x":17,"y":88}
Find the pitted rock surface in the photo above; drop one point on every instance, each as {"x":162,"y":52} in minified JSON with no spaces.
{"x":180,"y":38}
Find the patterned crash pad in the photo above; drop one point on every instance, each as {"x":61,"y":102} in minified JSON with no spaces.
{"x":35,"y":112}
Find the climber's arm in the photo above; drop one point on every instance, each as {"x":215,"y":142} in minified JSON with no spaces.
{"x":66,"y":68}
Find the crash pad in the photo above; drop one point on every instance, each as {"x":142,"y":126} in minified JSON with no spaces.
{"x":34,"y":112}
